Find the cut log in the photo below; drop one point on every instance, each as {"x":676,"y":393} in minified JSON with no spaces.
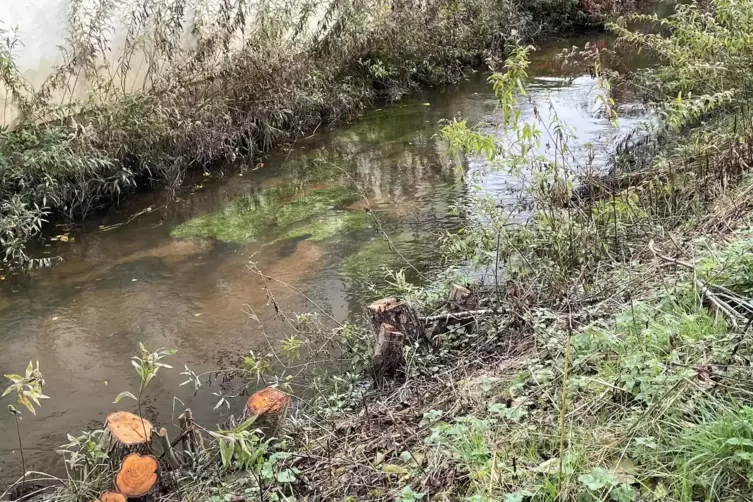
{"x":388,"y":357}
{"x":167,"y":449}
{"x":137,"y":478}
{"x":110,"y":496}
{"x":269,"y":406}
{"x":126,"y":433}
{"x":398,"y":314}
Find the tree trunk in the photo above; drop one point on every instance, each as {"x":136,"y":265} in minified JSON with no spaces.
{"x":397,"y":314}
{"x":388,"y":357}
{"x":126,"y":433}
{"x":137,"y":478}
{"x":460,"y":299}
{"x":269,"y":406}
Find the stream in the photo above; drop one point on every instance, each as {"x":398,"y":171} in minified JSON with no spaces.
{"x":174,"y":274}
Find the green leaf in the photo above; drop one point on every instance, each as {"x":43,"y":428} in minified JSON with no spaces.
{"x":123,"y":394}
{"x":739,"y":442}
{"x":597,"y":479}
{"x":623,"y":493}
{"x":227,"y":447}
{"x":286,"y":476}
{"x":518,"y":496}
{"x":23,"y":400}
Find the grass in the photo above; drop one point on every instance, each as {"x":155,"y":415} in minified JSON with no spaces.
{"x":613,"y":358}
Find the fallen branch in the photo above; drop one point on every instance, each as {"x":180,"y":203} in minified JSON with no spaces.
{"x":703,"y":287}
{"x":457,"y":315}
{"x":718,"y":303}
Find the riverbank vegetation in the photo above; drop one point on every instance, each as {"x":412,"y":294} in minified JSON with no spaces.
{"x":601,"y":350}
{"x":147,"y":91}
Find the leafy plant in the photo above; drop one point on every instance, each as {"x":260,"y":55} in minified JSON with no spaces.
{"x":28,"y":391}
{"x":147,"y":365}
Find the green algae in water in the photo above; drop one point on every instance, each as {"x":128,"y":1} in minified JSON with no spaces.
{"x":370,"y":262}
{"x":327,"y":226}
{"x":249,"y":217}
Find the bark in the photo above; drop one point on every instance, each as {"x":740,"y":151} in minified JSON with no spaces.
{"x":399,"y":315}
{"x":388,"y":357}
{"x":460,"y":300}
{"x":167,"y":449}
{"x":190,"y":436}
{"x":126,"y":433}
{"x":270,"y":407}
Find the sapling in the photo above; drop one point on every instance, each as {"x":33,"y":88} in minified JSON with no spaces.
{"x":147,"y":365}
{"x":28,"y":390}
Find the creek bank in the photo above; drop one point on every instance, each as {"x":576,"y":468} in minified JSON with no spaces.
{"x":205,"y":106}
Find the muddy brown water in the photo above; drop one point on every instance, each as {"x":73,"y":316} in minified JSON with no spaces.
{"x":126,"y":277}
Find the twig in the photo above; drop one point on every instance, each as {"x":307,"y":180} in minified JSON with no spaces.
{"x":458,"y":315}
{"x":718,"y":303}
{"x":703,"y":287}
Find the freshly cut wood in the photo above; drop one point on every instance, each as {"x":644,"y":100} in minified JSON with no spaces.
{"x":110,"y":496}
{"x":126,"y":433}
{"x":138,"y":476}
{"x":388,"y":356}
{"x":269,"y":405}
{"x":398,"y":314}
{"x":267,"y":400}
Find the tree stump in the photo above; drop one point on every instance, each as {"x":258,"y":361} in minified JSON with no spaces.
{"x":388,"y":356}
{"x":126,"y":433}
{"x":110,"y":496}
{"x":190,"y":437}
{"x":269,"y":406}
{"x":399,"y":315}
{"x":460,"y":299}
{"x":137,"y":478}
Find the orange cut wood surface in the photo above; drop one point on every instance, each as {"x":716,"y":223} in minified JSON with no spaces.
{"x":112,"y":497}
{"x":137,"y":476}
{"x":128,"y":428}
{"x":267,"y":400}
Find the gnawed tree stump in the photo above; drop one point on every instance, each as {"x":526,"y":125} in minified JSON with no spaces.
{"x":388,"y":357}
{"x":460,"y":299}
{"x":137,"y":478}
{"x":190,"y":437}
{"x":397,"y":314}
{"x":269,"y":406}
{"x":110,"y":496}
{"x":126,"y":433}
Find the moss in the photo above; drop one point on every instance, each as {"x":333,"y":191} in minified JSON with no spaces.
{"x":327,"y":226}
{"x":250,"y":217}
